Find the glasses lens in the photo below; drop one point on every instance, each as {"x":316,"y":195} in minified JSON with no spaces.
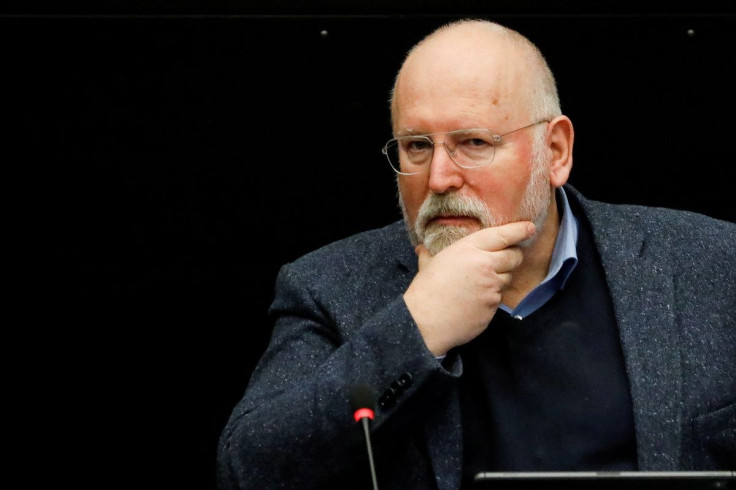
{"x":470,"y":148}
{"x":409,"y":155}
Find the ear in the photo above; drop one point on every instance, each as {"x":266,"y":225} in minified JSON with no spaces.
{"x":559,"y":139}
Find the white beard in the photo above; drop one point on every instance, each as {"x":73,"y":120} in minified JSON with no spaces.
{"x":534,"y":207}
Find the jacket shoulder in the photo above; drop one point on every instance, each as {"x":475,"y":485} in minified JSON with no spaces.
{"x":369,"y":264}
{"x":673,"y":229}
{"x":376,"y":245}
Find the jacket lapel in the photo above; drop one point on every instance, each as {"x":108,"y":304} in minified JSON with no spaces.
{"x":642,"y":291}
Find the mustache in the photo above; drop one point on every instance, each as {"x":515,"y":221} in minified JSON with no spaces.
{"x":452,"y":204}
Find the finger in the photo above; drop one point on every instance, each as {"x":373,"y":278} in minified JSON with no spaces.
{"x":423,"y":255}
{"x":504,"y":279}
{"x":508,"y":259}
{"x":501,"y":237}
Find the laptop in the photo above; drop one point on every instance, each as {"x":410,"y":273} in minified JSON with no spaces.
{"x":606,"y":480}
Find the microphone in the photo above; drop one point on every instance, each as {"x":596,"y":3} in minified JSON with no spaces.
{"x":361,"y":401}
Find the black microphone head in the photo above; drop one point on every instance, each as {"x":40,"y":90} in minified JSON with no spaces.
{"x":362,"y":396}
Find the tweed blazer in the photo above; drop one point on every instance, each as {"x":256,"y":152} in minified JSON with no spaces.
{"x":340,"y":320}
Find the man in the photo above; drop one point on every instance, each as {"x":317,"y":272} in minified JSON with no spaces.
{"x":519,"y":326}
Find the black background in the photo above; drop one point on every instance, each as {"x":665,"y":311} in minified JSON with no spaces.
{"x":163,"y":159}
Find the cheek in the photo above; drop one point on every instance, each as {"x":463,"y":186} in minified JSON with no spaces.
{"x":502,"y":187}
{"x":414,"y":191}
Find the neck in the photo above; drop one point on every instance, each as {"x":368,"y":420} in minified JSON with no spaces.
{"x":537,"y":258}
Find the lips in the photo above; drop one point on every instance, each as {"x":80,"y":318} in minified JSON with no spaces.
{"x":453,"y":220}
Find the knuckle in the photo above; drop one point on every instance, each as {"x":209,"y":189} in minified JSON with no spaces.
{"x":494,"y":298}
{"x":505,"y":239}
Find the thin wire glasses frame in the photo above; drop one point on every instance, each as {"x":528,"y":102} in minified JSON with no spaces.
{"x":470,"y":148}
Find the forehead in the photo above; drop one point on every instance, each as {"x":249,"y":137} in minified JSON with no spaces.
{"x":459,"y":80}
{"x":419,"y":113}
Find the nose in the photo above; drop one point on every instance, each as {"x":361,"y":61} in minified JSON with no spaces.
{"x":444,"y":174}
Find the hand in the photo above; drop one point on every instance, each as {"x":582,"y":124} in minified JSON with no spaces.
{"x":455,"y":294}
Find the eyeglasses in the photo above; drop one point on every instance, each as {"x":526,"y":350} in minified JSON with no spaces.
{"x":468,"y":148}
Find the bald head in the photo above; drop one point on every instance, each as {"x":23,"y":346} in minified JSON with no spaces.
{"x":477,"y":58}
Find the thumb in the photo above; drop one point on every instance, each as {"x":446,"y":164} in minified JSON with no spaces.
{"x":423,"y":255}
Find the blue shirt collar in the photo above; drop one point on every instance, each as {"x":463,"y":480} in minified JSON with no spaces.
{"x":565,"y":254}
{"x":564,"y":260}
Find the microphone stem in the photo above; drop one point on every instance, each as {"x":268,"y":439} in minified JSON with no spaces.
{"x":370,"y":452}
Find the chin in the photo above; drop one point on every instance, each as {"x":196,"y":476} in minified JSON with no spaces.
{"x":437,"y":237}
{"x":539,"y":223}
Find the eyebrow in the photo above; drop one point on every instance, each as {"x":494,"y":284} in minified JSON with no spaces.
{"x":410,"y":132}
{"x":414,"y":132}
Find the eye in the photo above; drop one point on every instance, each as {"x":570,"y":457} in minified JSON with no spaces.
{"x":474,"y":148}
{"x":472,"y":139}
{"x":417,"y":145}
{"x":475,"y":142}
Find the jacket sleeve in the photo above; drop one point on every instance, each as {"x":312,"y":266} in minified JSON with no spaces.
{"x":293,"y":428}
